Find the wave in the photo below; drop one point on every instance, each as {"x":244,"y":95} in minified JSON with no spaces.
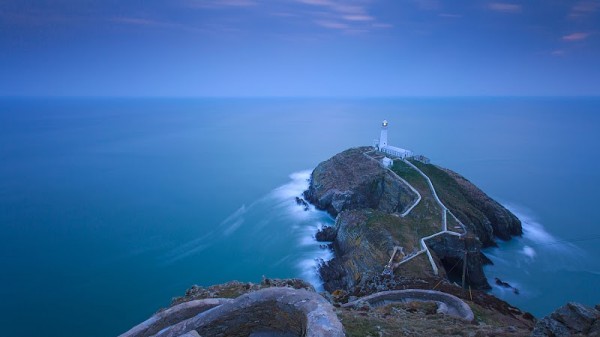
{"x":270,"y":226}
{"x":537,"y":238}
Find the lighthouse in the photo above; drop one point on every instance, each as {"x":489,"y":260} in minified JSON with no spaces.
{"x":387,"y":149}
{"x":383,"y":137}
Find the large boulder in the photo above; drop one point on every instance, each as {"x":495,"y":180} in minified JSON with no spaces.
{"x":572,"y":319}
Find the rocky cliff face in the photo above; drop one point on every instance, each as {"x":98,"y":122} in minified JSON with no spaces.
{"x":362,"y":245}
{"x":350,"y":180}
{"x":492,"y":220}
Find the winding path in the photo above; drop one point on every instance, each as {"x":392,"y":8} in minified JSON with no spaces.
{"x":445,"y":211}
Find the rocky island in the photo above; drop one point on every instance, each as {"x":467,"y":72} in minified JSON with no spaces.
{"x":407,"y":242}
{"x":371,"y":203}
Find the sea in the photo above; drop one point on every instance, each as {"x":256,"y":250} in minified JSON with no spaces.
{"x":110,"y":207}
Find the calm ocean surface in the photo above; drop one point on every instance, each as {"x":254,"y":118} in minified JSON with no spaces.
{"x":110,"y":207}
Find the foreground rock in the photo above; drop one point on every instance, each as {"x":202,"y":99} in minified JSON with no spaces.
{"x":572,"y":319}
{"x":262,"y":309}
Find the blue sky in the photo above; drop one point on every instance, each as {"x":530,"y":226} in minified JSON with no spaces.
{"x":299,"y":48}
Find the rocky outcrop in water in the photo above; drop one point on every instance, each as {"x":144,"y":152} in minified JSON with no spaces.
{"x":367,"y":200}
{"x":326,"y":234}
{"x":350,"y":180}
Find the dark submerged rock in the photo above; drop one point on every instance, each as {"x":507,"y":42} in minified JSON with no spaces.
{"x":326,"y":234}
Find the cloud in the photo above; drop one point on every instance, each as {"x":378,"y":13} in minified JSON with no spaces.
{"x":332,"y":24}
{"x":382,"y":25}
{"x":341,"y":15}
{"x":219,"y":3}
{"x":505,"y":7}
{"x":558,"y":52}
{"x":576,"y":36}
{"x":358,"y":17}
{"x":450,"y":15}
{"x":136,"y":21}
{"x":584,"y":8}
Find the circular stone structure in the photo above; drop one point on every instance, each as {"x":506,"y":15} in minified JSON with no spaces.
{"x":447,"y":304}
{"x":173,"y":315}
{"x":271,"y":311}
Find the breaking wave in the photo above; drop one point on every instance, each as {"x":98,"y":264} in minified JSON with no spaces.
{"x":274,"y":230}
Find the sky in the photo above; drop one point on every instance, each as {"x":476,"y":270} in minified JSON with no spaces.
{"x":323,"y":48}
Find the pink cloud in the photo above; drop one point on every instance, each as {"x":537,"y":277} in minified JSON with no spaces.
{"x":505,"y":7}
{"x":358,"y":17}
{"x":558,"y":52}
{"x":576,"y":36}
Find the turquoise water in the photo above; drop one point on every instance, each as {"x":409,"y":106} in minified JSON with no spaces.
{"x":110,"y":207}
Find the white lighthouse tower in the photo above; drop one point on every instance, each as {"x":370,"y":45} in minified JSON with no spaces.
{"x":383,"y":137}
{"x":388,"y":149}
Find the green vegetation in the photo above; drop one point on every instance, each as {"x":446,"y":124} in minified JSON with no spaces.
{"x":411,"y":176}
{"x":426,"y":218}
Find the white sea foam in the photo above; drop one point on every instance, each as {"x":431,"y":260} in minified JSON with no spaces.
{"x":309,"y":267}
{"x":528,"y":251}
{"x":295,"y":187}
{"x":536,"y":237}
